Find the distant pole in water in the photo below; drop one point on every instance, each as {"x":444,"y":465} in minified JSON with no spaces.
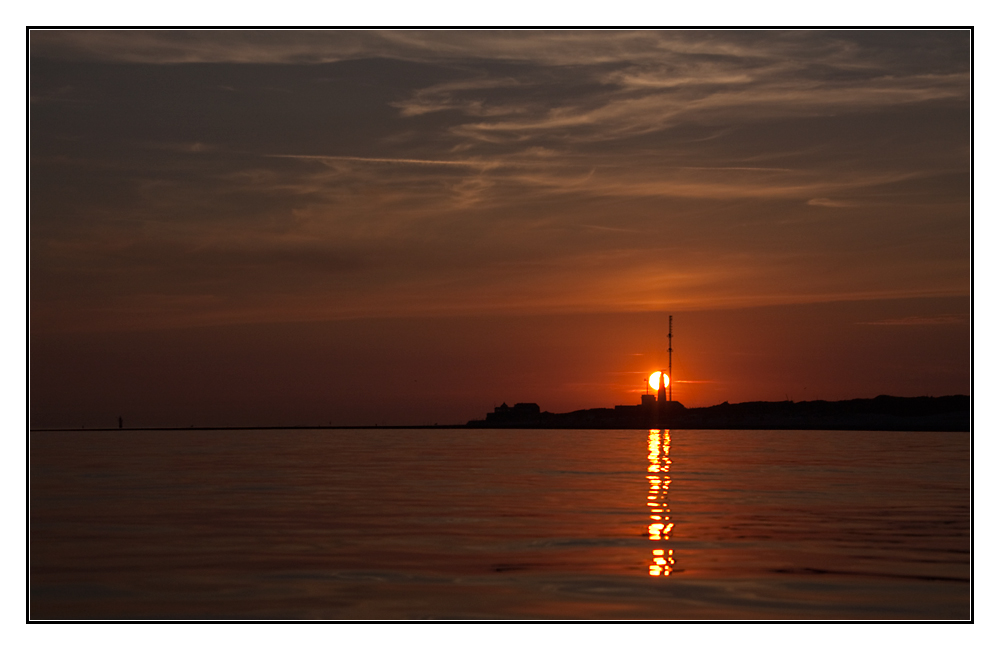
{"x":670,"y":360}
{"x":119,"y":422}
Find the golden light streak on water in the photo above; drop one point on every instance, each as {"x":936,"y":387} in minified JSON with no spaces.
{"x":659,"y":485}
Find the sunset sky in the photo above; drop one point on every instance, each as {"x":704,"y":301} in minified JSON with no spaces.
{"x":410,"y":227}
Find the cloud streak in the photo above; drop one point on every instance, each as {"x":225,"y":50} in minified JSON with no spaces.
{"x":395,"y":161}
{"x":950,"y":319}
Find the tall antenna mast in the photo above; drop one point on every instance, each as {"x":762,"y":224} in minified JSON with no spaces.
{"x":670,"y":360}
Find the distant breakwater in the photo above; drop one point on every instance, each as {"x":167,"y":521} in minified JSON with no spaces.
{"x":882,"y":413}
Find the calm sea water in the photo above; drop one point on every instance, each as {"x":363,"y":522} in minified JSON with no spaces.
{"x":456,"y":524}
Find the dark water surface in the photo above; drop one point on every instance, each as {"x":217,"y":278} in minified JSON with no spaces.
{"x":410,"y":524}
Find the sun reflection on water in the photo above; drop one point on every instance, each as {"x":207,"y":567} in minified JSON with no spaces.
{"x":662,"y":563}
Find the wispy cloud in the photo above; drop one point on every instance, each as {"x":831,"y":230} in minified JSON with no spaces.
{"x":620,"y":114}
{"x":395,"y":161}
{"x":949,"y":319}
{"x":831,"y":203}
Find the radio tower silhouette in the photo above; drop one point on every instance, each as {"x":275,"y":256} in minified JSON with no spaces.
{"x":670,"y":360}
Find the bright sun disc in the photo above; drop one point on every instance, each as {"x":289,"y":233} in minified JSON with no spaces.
{"x":654,"y":380}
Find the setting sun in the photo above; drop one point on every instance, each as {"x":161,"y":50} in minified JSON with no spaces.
{"x":654,"y":380}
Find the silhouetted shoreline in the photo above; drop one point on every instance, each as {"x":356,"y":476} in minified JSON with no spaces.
{"x":882,"y":413}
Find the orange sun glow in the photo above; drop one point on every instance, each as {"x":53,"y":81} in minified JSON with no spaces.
{"x":654,"y":380}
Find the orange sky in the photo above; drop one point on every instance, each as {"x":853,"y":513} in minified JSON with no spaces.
{"x":243,"y":227}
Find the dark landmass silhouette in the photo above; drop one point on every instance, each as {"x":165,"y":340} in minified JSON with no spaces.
{"x":883,"y":413}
